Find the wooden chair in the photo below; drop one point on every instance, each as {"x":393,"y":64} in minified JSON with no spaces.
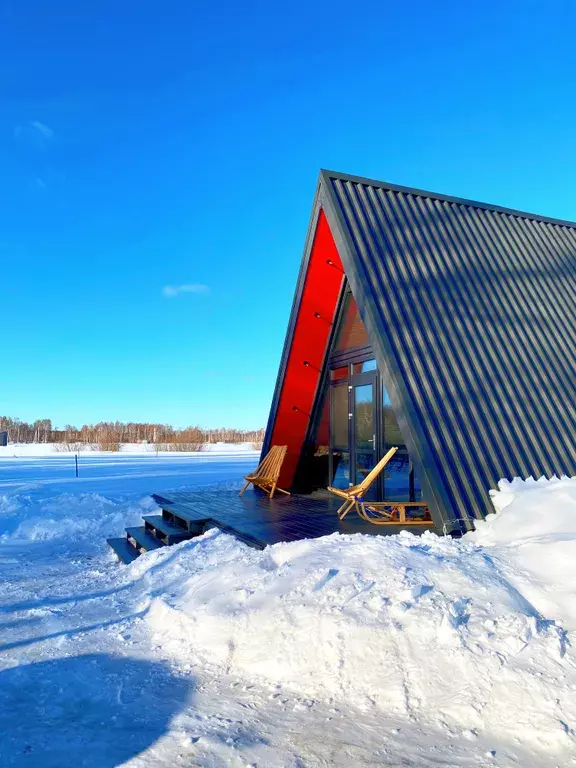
{"x":266,"y":474}
{"x":356,"y":493}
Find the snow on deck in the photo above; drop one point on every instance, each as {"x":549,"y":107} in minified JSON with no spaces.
{"x":345,"y":650}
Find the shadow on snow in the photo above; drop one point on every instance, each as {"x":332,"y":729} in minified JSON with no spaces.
{"x":91,"y":711}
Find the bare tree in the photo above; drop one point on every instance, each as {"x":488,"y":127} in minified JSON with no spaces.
{"x":113,"y":433}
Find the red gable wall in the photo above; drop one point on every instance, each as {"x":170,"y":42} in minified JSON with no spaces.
{"x":311,"y":334}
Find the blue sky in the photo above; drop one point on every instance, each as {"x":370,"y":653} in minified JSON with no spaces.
{"x":148,"y":146}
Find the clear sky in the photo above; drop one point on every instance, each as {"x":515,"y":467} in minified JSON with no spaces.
{"x":149,"y":145}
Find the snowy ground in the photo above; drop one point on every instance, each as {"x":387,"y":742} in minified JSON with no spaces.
{"x":343,"y":651}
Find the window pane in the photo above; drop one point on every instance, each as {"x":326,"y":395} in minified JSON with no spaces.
{"x":391,"y":430}
{"x":367,"y":365}
{"x":351,"y":332}
{"x":341,"y":469}
{"x":364,"y":416}
{"x":397,"y":478}
{"x":322,"y":436}
{"x":340,"y":416}
{"x":313,"y":471}
{"x":417,"y":487}
{"x":364,"y":463}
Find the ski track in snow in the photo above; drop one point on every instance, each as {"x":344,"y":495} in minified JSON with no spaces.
{"x":345,"y":651}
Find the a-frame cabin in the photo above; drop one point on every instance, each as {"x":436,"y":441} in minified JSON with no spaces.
{"x":441,"y":325}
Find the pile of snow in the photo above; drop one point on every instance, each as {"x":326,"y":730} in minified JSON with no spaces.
{"x":427,"y":629}
{"x":27,"y":449}
{"x":69,"y":518}
{"x":230,"y":448}
{"x":533,"y":538}
{"x":429,"y":649}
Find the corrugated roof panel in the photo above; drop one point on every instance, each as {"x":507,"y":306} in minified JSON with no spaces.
{"x":471,"y":310}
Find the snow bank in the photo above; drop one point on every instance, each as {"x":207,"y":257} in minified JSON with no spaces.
{"x":533,"y":538}
{"x":230,"y":448}
{"x":26,"y":449}
{"x":424,"y":628}
{"x":470,"y":640}
{"x":68,"y":518}
{"x":529,"y":509}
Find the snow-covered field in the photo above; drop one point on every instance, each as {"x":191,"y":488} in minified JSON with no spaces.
{"x":344,"y":651}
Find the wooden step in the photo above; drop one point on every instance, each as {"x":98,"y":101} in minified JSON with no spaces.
{"x":142,"y":539}
{"x":185,"y":520}
{"x":183,"y":515}
{"x":166,"y":531}
{"x":123,"y":550}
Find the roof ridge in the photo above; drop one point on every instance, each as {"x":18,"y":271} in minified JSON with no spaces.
{"x":327,"y":176}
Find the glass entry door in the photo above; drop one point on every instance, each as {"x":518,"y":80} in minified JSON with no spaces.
{"x":353,"y":427}
{"x":363,"y":426}
{"x":340,"y":434}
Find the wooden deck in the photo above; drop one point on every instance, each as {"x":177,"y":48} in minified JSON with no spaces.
{"x":260,"y":521}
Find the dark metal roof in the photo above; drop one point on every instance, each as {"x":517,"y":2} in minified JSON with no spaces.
{"x":471,"y":311}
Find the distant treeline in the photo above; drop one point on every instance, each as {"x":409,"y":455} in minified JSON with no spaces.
{"x":115,"y":432}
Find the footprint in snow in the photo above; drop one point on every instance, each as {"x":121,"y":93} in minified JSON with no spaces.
{"x":325,"y":579}
{"x":410,"y":596}
{"x":459,"y":612}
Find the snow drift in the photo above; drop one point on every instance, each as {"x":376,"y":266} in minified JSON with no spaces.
{"x":426,"y":628}
{"x":468,"y":640}
{"x":533,"y":538}
{"x":68,"y":518}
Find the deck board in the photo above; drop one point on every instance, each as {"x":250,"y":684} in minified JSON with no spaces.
{"x":262,"y":521}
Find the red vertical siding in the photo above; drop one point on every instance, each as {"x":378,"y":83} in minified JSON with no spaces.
{"x":319,"y":296}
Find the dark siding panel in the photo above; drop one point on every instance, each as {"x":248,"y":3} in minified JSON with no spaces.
{"x":472,"y":311}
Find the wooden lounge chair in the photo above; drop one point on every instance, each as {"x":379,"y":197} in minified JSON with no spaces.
{"x":394,"y":512}
{"x":356,"y":493}
{"x":266,"y":474}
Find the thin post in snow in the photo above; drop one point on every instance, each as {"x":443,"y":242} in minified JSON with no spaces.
{"x":76,"y":461}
